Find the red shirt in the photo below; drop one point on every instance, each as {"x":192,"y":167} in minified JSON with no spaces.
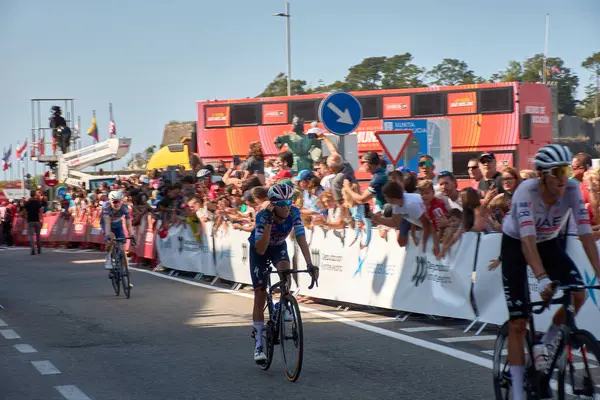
{"x":436,"y":209}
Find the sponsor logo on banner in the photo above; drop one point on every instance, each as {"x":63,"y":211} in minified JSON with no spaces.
{"x":244,"y":253}
{"x":332,"y":262}
{"x":591,"y":281}
{"x":315,"y":257}
{"x":381,"y":269}
{"x":362,"y":256}
{"x":425,"y":269}
{"x":78,"y":229}
{"x":420,"y":270}
{"x":539,"y":114}
{"x":149,"y":237}
{"x":44,"y":230}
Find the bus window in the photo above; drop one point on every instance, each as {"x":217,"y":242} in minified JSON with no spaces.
{"x":304,"y":109}
{"x":244,"y":115}
{"x":371,"y":107}
{"x":427,"y":104}
{"x":496,"y":100}
{"x":460,"y":161}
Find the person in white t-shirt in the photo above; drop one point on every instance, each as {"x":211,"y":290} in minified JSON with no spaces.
{"x":407,"y":206}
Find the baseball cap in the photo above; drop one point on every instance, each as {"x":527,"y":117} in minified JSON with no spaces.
{"x":282,"y":174}
{"x":303,"y":175}
{"x":487,"y":155}
{"x":371,"y":157}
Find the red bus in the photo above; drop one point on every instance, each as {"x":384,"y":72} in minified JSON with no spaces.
{"x":511,"y":119}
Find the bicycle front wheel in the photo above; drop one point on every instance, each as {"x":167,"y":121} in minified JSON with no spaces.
{"x":125,"y":276}
{"x":579,"y":370}
{"x":115,"y":276}
{"x":291,"y":336}
{"x":500,"y":366}
{"x":268,"y":344}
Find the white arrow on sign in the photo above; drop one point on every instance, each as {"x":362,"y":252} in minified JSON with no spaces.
{"x":344,"y":117}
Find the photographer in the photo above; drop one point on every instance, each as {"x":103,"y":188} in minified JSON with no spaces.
{"x":60,"y":131}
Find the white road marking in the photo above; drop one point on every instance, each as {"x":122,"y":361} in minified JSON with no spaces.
{"x":2,"y":323}
{"x":88,"y":261}
{"x":426,"y":328}
{"x":491,"y":352}
{"x":25,"y":348}
{"x":71,"y":392}
{"x":468,"y":338}
{"x":45,"y":367}
{"x":9,"y":334}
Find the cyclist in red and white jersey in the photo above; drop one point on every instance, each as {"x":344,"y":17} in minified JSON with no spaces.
{"x":530,"y":237}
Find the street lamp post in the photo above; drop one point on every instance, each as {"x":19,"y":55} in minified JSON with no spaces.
{"x":287,"y":17}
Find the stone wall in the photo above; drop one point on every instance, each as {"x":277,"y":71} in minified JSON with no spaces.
{"x":572,"y":127}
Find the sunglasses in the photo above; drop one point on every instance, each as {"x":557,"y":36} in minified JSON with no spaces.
{"x":473,"y":166}
{"x":425,"y":164}
{"x":283,"y":203}
{"x":559,"y":172}
{"x":116,"y":201}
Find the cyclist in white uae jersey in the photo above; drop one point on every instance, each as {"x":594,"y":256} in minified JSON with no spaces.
{"x":530,"y":237}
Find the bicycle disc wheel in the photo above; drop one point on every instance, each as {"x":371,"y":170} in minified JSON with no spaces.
{"x":125,"y":276}
{"x":291,"y":337}
{"x":268,"y":344}
{"x":500,"y":366}
{"x":115,"y":277}
{"x":579,"y":369}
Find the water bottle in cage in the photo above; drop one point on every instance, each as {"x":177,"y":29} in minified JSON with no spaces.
{"x":275,"y":311}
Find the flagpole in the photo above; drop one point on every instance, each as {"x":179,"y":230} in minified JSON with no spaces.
{"x":546,"y":47}
{"x":94,"y":117}
{"x":78,"y":132}
{"x":110,"y":113}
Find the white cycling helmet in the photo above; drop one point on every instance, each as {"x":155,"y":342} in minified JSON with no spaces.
{"x":280,"y":191}
{"x":202,"y":173}
{"x":115,"y":195}
{"x":552,"y":156}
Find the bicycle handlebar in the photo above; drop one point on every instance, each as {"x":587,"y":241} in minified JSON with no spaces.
{"x":313,"y":281}
{"x":567,"y":289}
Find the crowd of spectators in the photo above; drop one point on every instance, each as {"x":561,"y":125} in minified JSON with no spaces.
{"x":229,"y":194}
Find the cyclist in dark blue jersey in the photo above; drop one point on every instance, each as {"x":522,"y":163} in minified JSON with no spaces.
{"x":112,"y":221}
{"x":267,"y":245}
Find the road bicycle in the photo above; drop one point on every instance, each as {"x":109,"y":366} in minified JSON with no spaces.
{"x":284,"y":326}
{"x":573,"y":351}
{"x":119,"y":274}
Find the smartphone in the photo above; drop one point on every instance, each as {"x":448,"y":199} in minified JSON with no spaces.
{"x":236,"y":160}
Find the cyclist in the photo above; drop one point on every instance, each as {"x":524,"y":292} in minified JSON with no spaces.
{"x":530,"y":237}
{"x":112,"y":221}
{"x":267,"y":244}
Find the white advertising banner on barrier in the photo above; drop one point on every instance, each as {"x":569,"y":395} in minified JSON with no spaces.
{"x":181,"y":251}
{"x":438,"y":287}
{"x":489,"y":293}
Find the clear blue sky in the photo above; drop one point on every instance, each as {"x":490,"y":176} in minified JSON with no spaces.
{"x":153,"y":59}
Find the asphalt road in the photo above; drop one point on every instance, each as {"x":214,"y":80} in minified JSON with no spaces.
{"x":176,"y":339}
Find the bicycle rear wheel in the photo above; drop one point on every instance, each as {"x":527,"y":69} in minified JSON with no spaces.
{"x":291,"y":337}
{"x":579,"y":369}
{"x":125,"y":276}
{"x":500,"y":366}
{"x":115,"y":276}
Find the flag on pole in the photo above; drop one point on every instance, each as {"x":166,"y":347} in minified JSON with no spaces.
{"x":21,"y":151}
{"x":112,"y":128}
{"x":6,"y":164}
{"x":41,"y":144}
{"x":76,"y":131}
{"x":93,"y":131}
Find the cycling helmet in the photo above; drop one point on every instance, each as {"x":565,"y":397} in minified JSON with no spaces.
{"x":280,"y":191}
{"x":203,"y":173}
{"x":115,"y":195}
{"x":552,"y":156}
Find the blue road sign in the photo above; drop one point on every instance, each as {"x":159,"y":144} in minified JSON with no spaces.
{"x":340,"y":113}
{"x":61,"y":191}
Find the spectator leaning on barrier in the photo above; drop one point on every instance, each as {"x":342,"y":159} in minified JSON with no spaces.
{"x":371,"y":163}
{"x":407,"y":206}
{"x":447,"y":185}
{"x":426,"y":171}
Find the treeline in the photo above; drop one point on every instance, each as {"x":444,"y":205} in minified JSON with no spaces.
{"x":400,"y":71}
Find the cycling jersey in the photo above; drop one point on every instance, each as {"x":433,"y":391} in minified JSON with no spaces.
{"x":115,"y":215}
{"x":529,"y":215}
{"x":279,"y":232}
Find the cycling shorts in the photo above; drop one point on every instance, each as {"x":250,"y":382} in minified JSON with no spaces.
{"x":116,"y":228}
{"x":260,"y":263}
{"x":557,"y":264}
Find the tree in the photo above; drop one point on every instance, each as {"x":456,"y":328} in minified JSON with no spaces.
{"x":513,"y":73}
{"x":556,"y":74}
{"x":278,"y":87}
{"x":150,"y":151}
{"x":586,"y":108}
{"x":451,"y":72}
{"x":366,"y":75}
{"x":399,"y":72}
{"x":592,"y":64}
